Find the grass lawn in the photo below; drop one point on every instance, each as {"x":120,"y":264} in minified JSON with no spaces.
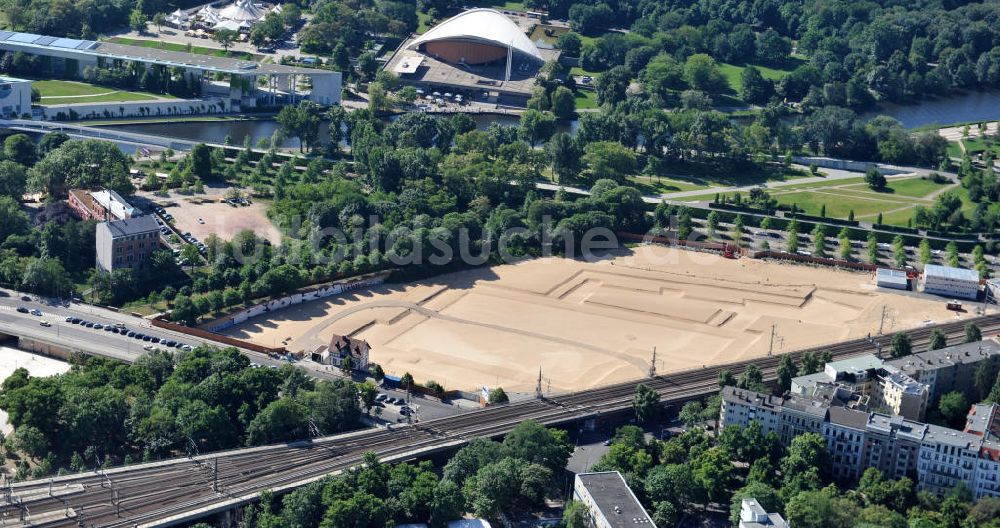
{"x":656,"y":185}
{"x":733,"y":72}
{"x":174,"y":46}
{"x":111,"y":97}
{"x":954,"y":151}
{"x":585,"y":99}
{"x":69,"y":88}
{"x":837,"y":205}
{"x":424,"y":22}
{"x":915,"y":187}
{"x":576,"y":70}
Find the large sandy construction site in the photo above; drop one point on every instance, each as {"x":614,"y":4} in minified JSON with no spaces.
{"x":589,"y":324}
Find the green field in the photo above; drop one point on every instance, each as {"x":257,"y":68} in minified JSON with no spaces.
{"x":585,"y":99}
{"x":844,"y":195}
{"x":69,"y":88}
{"x":733,"y":72}
{"x":174,"y":46}
{"x":73,"y":92}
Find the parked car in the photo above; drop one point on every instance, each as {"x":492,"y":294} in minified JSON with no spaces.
{"x":22,"y":309}
{"x":45,"y":323}
{"x":36,"y":312}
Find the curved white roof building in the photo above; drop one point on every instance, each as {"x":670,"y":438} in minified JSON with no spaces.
{"x":477,"y":36}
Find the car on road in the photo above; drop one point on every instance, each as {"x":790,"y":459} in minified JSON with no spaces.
{"x":22,"y":309}
{"x":381,"y":397}
{"x":130,"y":333}
{"x":88,"y":324}
{"x":108,"y":328}
{"x":390,"y":400}
{"x":75,"y":320}
{"x":147,"y":347}
{"x":45,"y":323}
{"x":69,"y":319}
{"x":26,"y":298}
{"x":36,"y":312}
{"x":98,"y":326}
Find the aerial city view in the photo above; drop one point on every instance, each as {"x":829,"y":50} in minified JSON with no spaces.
{"x":508,"y":263}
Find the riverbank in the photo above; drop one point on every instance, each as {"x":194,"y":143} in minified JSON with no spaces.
{"x":177,"y":119}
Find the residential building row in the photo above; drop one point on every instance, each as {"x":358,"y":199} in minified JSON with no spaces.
{"x":905,"y":386}
{"x":610,"y":501}
{"x":937,"y":458}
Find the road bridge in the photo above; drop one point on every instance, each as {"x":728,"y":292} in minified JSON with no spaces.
{"x":88,"y":132}
{"x":182,"y":490}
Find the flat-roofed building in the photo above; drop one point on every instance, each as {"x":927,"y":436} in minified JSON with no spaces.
{"x":15,"y":97}
{"x":753,"y":515}
{"x":100,"y":205}
{"x":959,"y":283}
{"x":948,"y":369}
{"x":893,"y":279}
{"x":609,"y":500}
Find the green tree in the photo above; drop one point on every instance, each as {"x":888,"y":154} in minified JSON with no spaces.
{"x":282,"y":420}
{"x":924,"y":250}
{"x":575,"y":515}
{"x":953,"y":407}
{"x":819,"y":240}
{"x":225,"y":38}
{"x":901,"y":345}
{"x":564,"y":155}
{"x":952,"y":253}
{"x":536,"y":126}
{"x":899,"y":251}
{"x":973,"y":333}
{"x":982,"y":379}
{"x":938,"y":340}
{"x":793,"y":236}
{"x":712,"y":471}
{"x":563,"y":103}
{"x":20,"y":149}
{"x":85,"y":164}
{"x":875,"y":179}
{"x":498,"y":396}
{"x":609,"y":160}
{"x":712,"y":223}
{"x":844,"y":241}
{"x":820,"y":509}
{"x":645,"y":403}
{"x":200,"y":161}
{"x":872,"y":248}
{"x":137,"y":20}
{"x":13,"y":179}
{"x":702,"y":73}
{"x":786,"y":371}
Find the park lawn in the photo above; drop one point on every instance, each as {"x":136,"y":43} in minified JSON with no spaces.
{"x":817,"y":184}
{"x":585,"y":99}
{"x":69,"y":88}
{"x":733,"y":72}
{"x":954,"y":150}
{"x":653,"y":185}
{"x":837,"y":205}
{"x":175,"y":46}
{"x":916,"y":187}
{"x":899,"y":218}
{"x":577,"y":70}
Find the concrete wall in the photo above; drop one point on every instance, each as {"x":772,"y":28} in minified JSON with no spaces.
{"x":45,"y":349}
{"x":296,"y":298}
{"x":326,"y":88}
{"x":15,"y":97}
{"x":137,"y":109}
{"x":849,"y":165}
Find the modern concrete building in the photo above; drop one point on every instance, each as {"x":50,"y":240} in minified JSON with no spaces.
{"x":15,"y":97}
{"x":609,"y":501}
{"x":250,"y":83}
{"x":753,"y":515}
{"x":126,"y":243}
{"x":958,"y":283}
{"x":481,"y":54}
{"x":103,"y":205}
{"x":893,"y":279}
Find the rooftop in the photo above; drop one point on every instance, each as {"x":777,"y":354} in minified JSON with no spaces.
{"x":487,"y":26}
{"x":946,"y":357}
{"x":615,"y":499}
{"x":854,"y":365}
{"x":131,"y":226}
{"x":149,"y":55}
{"x":737,"y":395}
{"x":846,"y":417}
{"x":891,"y":275}
{"x":952,"y":437}
{"x":113,"y":202}
{"x":984,"y":420}
{"x":935,"y":270}
{"x":753,"y":515}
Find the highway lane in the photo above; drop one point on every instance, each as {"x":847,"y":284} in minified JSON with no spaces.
{"x":181,"y":490}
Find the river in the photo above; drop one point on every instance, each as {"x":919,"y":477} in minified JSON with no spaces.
{"x":966,"y":107}
{"x":216,"y":131}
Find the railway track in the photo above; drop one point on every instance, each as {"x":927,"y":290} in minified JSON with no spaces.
{"x":180,"y":490}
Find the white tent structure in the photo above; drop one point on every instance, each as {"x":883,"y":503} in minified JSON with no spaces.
{"x":177,"y":18}
{"x":242,"y":11}
{"x":209,"y":15}
{"x":481,"y":26}
{"x":231,"y":25}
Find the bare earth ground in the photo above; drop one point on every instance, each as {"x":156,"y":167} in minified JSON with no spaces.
{"x":590,"y":324}
{"x":220,"y":218}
